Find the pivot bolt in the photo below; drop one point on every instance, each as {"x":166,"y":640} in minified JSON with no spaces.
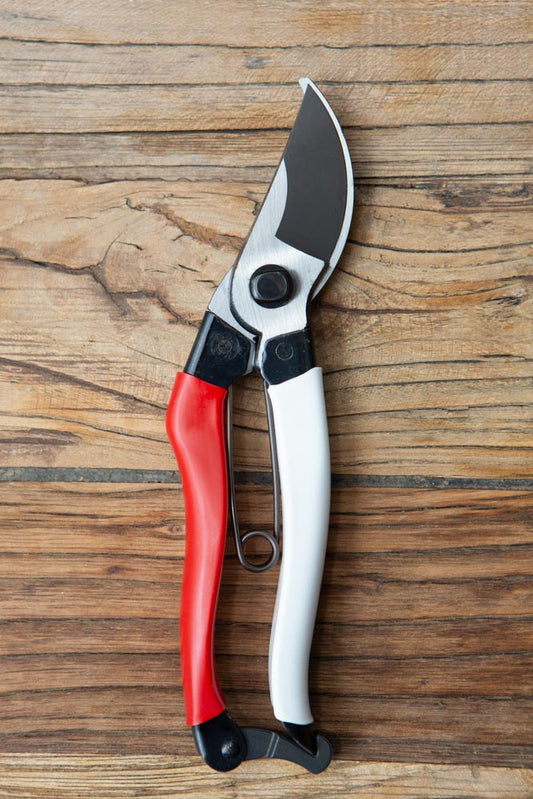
{"x":271,"y":286}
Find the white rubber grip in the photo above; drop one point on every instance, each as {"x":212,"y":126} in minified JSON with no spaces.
{"x":301,"y":431}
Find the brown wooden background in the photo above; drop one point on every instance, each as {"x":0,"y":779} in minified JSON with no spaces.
{"x":137,"y":142}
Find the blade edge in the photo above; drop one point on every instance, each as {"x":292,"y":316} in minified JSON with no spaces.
{"x":306,"y":83}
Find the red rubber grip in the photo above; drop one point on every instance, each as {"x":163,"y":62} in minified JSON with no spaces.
{"x":196,"y":429}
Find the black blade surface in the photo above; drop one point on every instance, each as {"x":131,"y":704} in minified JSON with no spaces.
{"x":317,"y":181}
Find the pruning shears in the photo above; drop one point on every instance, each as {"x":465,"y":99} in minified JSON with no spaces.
{"x":257,"y":320}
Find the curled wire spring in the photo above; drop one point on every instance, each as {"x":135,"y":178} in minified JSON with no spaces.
{"x":273,"y":538}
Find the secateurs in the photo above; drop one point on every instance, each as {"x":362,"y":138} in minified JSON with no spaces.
{"x":257,"y":320}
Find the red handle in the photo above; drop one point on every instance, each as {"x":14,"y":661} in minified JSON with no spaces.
{"x":195,"y":427}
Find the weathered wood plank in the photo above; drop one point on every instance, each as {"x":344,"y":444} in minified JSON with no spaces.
{"x":27,"y":62}
{"x":411,"y":567}
{"x":424,"y":332}
{"x":396,"y":639}
{"x":65,"y":109}
{"x":423,"y":646}
{"x":79,"y":776}
{"x":266,"y":23}
{"x":369,"y":599}
{"x":148,"y":720}
{"x":252,"y":156}
{"x":501,"y":676}
{"x":146,"y":521}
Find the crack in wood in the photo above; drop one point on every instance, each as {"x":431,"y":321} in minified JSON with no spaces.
{"x":97,"y":272}
{"x":193,"y":229}
{"x":63,"y":376}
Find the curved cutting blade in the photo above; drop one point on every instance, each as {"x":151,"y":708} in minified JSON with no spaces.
{"x":303,"y":222}
{"x":319,"y":202}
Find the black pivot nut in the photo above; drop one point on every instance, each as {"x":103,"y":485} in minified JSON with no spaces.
{"x":220,"y":742}
{"x":271,"y":286}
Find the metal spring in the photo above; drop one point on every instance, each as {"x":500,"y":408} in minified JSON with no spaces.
{"x":274,"y":537}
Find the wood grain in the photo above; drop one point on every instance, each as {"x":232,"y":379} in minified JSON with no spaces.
{"x":136,"y":145}
{"x":263,"y":23}
{"x":424,"y":332}
{"x":71,"y":109}
{"x":252,"y":156}
{"x":77,"y":777}
{"x":65,"y":64}
{"x":423,"y":645}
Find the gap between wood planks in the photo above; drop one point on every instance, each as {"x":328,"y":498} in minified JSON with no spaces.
{"x":50,"y":474}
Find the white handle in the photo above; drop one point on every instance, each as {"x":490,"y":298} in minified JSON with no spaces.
{"x":300,"y":425}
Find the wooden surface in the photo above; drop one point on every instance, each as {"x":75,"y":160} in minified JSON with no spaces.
{"x":137,"y":141}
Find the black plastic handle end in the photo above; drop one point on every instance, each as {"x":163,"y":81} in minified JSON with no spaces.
{"x":220,"y":742}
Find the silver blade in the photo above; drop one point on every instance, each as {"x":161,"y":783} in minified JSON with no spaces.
{"x":304,"y":220}
{"x":319,"y":204}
